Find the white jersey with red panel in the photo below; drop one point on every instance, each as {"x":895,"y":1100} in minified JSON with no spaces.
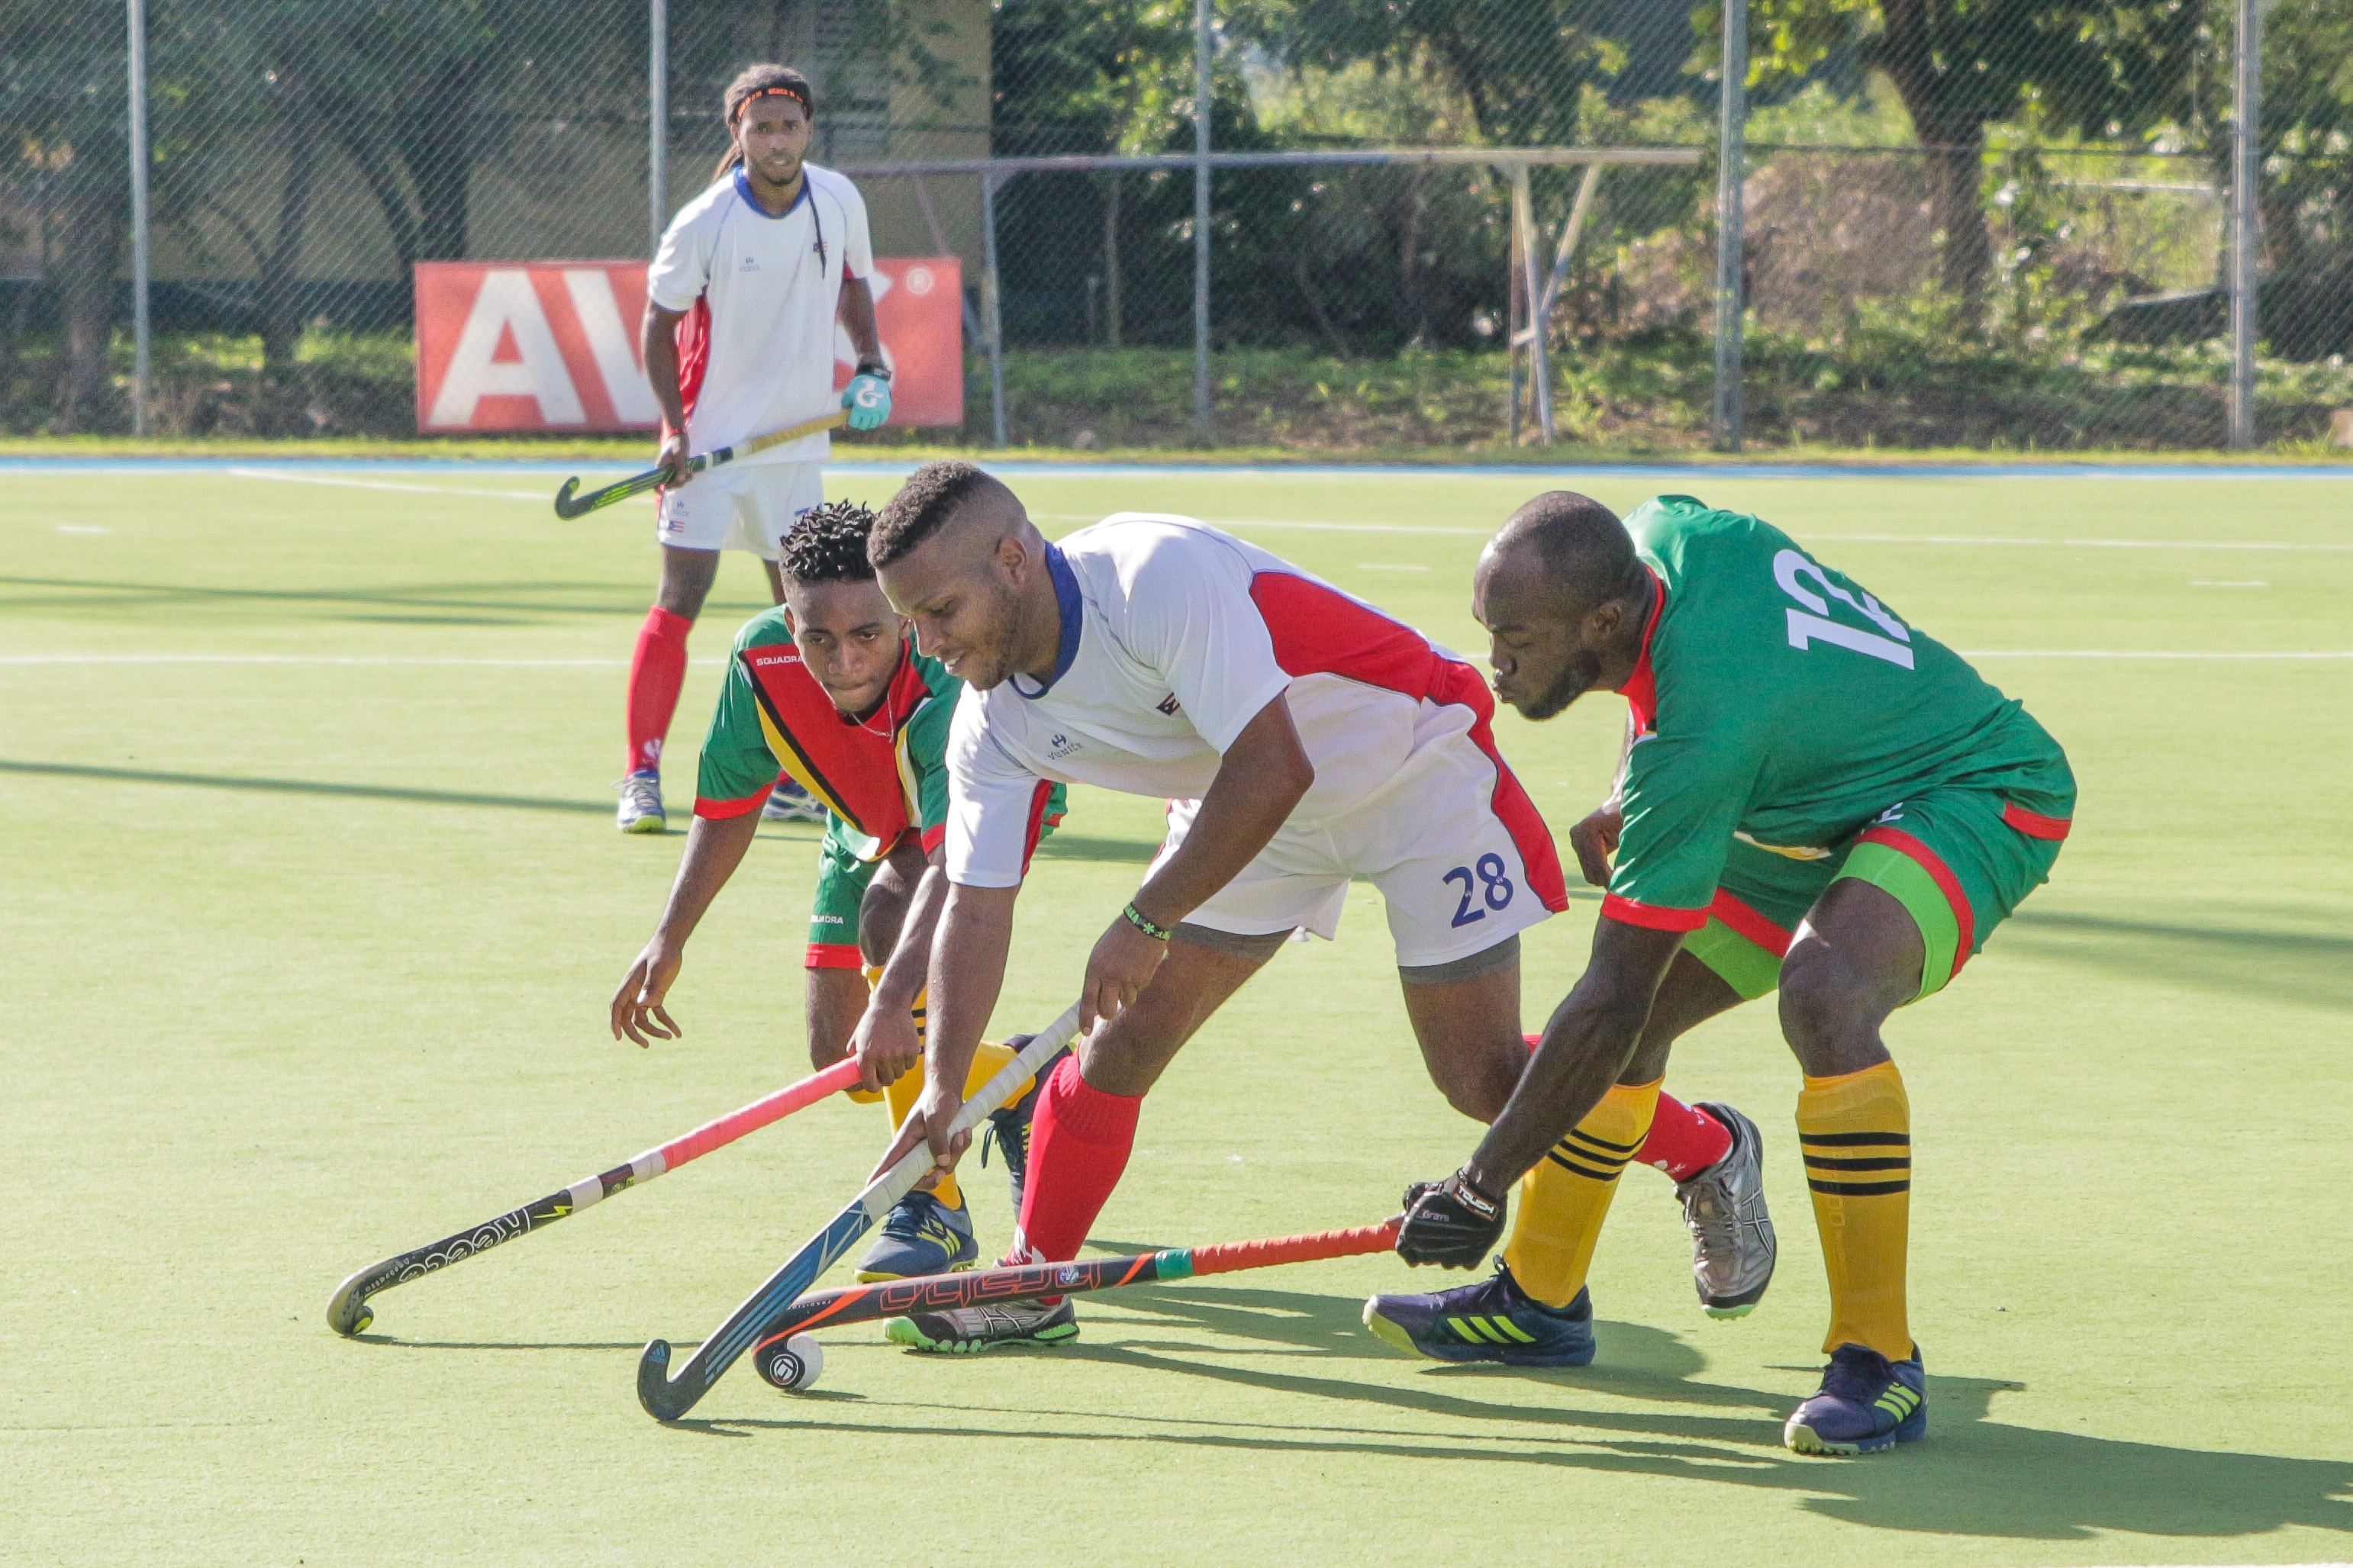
{"x":1174,"y":636}
{"x":760,"y":293}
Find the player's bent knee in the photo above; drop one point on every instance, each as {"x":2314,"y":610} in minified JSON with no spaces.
{"x":1830,"y":1014}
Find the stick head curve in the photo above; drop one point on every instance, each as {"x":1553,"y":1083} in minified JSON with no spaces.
{"x":348,"y":1312}
{"x":565,"y":506}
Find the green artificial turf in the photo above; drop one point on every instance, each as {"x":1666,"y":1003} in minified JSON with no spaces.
{"x":311,"y":940}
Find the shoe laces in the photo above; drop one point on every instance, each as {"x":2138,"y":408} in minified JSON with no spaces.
{"x":915,"y":1216}
{"x":1857,"y":1374}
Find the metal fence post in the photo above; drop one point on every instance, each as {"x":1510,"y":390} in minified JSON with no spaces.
{"x":1201,"y":427}
{"x":1524,"y":235}
{"x":141,"y":333}
{"x":657,"y":121}
{"x":992,"y":317}
{"x":2245,"y":170}
{"x":1724,"y":419}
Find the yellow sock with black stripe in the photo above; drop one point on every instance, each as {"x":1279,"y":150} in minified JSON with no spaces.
{"x":1564,"y":1200}
{"x":1855,"y":1134}
{"x":900,"y":1096}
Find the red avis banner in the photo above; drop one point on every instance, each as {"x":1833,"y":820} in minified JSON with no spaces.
{"x":553,"y":345}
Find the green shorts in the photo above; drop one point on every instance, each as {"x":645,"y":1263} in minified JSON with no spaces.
{"x":1958,"y":857}
{"x":842,"y":878}
{"x":842,"y":882}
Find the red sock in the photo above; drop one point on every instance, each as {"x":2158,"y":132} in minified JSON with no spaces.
{"x":656,"y":672}
{"x":1078,"y":1147}
{"x":1685,"y":1140}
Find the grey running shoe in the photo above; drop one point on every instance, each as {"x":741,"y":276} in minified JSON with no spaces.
{"x":787,"y":801}
{"x":1733,"y":1250}
{"x":641,"y":806}
{"x":964,"y":1330}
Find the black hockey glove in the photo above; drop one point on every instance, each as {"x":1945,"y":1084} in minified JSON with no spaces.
{"x":1450,"y":1223}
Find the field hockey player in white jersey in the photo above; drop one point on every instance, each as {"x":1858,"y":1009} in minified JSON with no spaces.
{"x":742,"y":303}
{"x":1302,"y":737}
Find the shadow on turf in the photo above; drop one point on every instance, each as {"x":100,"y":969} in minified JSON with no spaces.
{"x":2273,"y":963}
{"x":611,"y":599}
{"x":1060,"y":846}
{"x":1974,"y":1477}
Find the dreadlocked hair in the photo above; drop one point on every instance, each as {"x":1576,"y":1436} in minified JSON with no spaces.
{"x":828,"y":544}
{"x":743,"y":88}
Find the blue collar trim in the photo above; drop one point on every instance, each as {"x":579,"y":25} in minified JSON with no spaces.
{"x":1073,"y":608}
{"x":744,"y":189}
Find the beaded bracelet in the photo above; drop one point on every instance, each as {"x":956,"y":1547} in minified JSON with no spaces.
{"x":1142,"y":922}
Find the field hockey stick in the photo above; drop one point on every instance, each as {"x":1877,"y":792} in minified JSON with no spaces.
{"x":666,"y":1398}
{"x":348,"y":1312}
{"x":569,"y":507}
{"x":943,"y":1292}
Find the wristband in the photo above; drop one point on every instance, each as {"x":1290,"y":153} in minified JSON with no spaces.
{"x":874,"y":368}
{"x":1142,"y":922}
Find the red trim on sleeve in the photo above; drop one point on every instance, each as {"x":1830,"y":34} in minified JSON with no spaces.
{"x":2034,"y":824}
{"x":1641,"y":688}
{"x":1656,"y":917}
{"x":1745,"y":921}
{"x":833,"y":956}
{"x":1903,"y":843}
{"x":720,"y":810}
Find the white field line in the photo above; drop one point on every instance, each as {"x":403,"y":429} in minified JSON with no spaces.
{"x":543,"y":497}
{"x":2069,"y":543}
{"x":74,"y":659}
{"x":1854,"y":538}
{"x":321,"y":659}
{"x":2105,"y":653}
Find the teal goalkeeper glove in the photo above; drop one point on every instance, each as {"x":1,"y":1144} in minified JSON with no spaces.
{"x":868,"y":397}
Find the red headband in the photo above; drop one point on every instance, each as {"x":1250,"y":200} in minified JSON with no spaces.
{"x":779,"y":90}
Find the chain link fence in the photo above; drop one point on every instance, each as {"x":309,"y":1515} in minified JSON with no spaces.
{"x":1429,"y":223}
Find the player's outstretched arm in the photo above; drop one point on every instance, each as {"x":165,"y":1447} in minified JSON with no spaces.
{"x":967,"y":970}
{"x":715,"y":847}
{"x":885,"y":1042}
{"x":1585,"y":1046}
{"x":1259,"y":780}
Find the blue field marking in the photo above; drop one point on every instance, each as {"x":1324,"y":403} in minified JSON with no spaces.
{"x":1661,"y":472}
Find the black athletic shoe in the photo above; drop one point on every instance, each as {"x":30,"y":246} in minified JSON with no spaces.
{"x":1009,"y":1125}
{"x":984,"y":1327}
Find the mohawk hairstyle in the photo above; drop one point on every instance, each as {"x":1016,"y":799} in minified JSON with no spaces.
{"x":929,"y":498}
{"x":828,"y":544}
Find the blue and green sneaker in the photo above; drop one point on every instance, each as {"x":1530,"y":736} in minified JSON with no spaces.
{"x":1009,"y":1125}
{"x":1867,"y":1403}
{"x":1491,"y":1320}
{"x":921,"y":1235}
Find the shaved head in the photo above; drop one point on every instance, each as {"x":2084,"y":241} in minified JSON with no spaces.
{"x":1560,"y":592}
{"x":956,"y":554}
{"x":934,"y":496}
{"x":1574,"y":547}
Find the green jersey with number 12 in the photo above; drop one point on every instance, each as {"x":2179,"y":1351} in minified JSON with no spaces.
{"x":1777,"y":701}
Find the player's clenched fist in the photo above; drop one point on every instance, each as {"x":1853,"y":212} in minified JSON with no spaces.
{"x":1595,"y":839}
{"x":1454,"y":1223}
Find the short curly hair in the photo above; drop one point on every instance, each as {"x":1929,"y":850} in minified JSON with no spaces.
{"x":828,"y":544}
{"x":931,"y":496}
